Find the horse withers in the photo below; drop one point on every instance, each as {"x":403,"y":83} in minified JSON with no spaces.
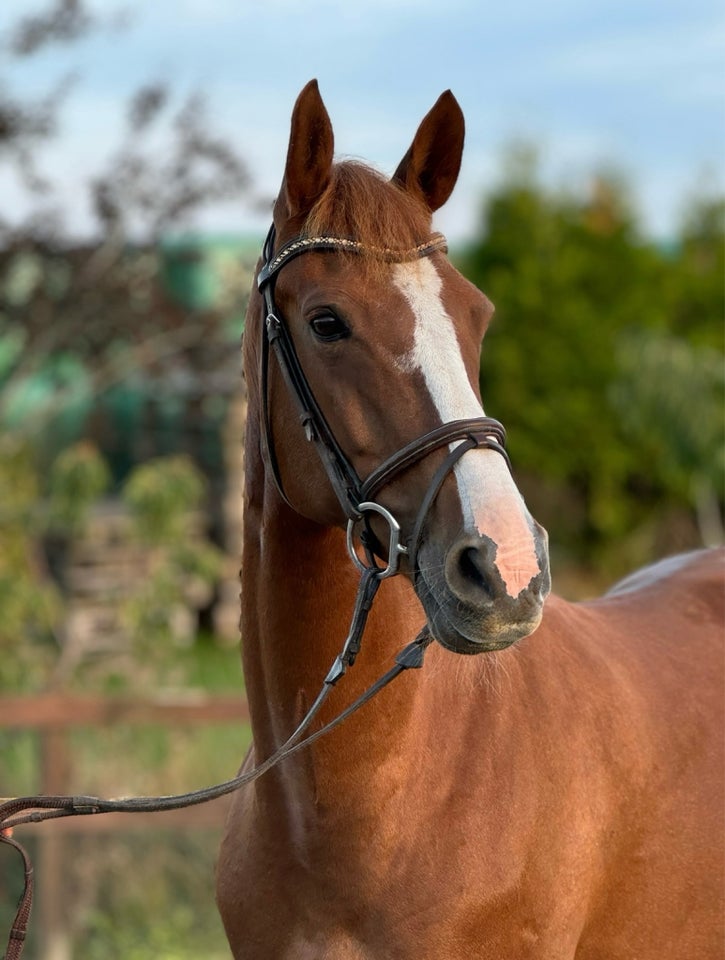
{"x":560,"y":797}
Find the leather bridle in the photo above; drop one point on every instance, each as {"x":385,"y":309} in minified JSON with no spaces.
{"x":357,"y":500}
{"x":355,"y":496}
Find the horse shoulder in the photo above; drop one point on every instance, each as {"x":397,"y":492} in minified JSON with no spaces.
{"x":635,"y":682}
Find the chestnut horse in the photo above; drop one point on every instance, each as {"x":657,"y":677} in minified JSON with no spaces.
{"x":558,"y":799}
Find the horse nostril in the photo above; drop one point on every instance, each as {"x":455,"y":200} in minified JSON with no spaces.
{"x":468,"y":571}
{"x":470,"y":563}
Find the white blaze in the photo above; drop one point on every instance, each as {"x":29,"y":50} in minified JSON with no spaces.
{"x":490,"y":501}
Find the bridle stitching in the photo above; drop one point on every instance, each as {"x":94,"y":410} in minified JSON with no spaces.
{"x":436,"y":242}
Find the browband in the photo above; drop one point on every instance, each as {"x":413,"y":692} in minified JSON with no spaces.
{"x":298,"y":245}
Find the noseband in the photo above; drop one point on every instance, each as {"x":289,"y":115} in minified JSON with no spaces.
{"x":357,"y":496}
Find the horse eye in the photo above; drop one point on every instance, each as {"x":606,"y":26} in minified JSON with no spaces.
{"x":328,"y":327}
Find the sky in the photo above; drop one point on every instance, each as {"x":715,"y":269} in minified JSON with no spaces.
{"x":637,"y":86}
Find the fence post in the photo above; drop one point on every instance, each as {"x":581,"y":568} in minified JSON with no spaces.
{"x":53,"y":915}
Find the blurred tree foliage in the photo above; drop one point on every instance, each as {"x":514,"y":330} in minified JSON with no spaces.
{"x":30,"y":603}
{"x":605,"y":361}
{"x":163,"y":497}
{"x":78,"y":317}
{"x":81,"y":316}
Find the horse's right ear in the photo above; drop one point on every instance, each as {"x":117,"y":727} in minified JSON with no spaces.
{"x":309,"y":156}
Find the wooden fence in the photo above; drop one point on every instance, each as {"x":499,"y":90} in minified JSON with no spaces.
{"x":51,"y":716}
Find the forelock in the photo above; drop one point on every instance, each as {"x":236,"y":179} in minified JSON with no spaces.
{"x":362,"y":204}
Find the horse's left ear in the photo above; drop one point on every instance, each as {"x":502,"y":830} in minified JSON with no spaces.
{"x":431,"y":165}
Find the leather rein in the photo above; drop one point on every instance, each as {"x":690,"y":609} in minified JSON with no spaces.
{"x":357,"y":499}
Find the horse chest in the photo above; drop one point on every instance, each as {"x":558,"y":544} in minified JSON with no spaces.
{"x":372,"y":900}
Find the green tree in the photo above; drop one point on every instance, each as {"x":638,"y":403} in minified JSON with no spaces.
{"x":670,"y":394}
{"x":164,"y":498}
{"x":30,"y":603}
{"x":573,"y":280}
{"x":695,"y":275}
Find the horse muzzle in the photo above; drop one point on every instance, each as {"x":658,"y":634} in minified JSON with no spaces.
{"x":469,"y":606}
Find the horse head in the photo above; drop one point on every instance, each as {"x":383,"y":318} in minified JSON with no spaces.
{"x":385,"y":336}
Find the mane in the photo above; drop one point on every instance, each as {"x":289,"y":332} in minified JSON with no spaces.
{"x":361,"y":204}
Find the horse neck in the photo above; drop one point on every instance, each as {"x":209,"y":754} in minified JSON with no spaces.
{"x":298,"y":595}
